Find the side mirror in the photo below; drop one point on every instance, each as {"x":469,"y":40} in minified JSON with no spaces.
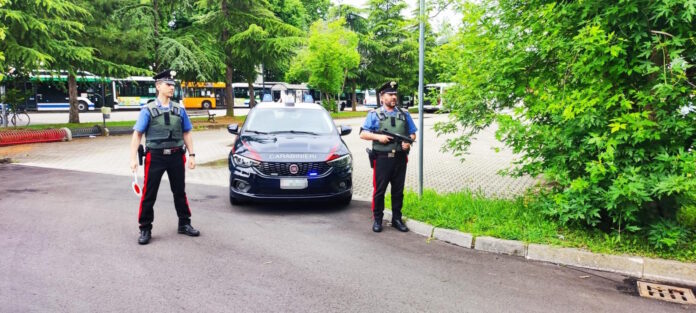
{"x":345,"y":130}
{"x":233,"y":129}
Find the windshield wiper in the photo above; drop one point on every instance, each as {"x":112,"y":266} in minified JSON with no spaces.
{"x":256,"y":132}
{"x":294,"y":132}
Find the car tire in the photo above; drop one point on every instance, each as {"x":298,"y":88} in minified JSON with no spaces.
{"x":206,"y":105}
{"x":82,"y":106}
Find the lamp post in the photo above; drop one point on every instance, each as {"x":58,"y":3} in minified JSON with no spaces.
{"x":421,"y":57}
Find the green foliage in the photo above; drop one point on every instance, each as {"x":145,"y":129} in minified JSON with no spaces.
{"x":667,"y":235}
{"x":325,"y":62}
{"x":687,"y":216}
{"x":291,"y":11}
{"x":316,"y":9}
{"x":597,"y":97}
{"x":252,"y":37}
{"x":2,"y":37}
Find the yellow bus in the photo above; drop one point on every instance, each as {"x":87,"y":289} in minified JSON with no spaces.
{"x":203,"y":95}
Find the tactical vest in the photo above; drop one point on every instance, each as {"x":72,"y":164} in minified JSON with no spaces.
{"x":395,"y":124}
{"x":165,"y":129}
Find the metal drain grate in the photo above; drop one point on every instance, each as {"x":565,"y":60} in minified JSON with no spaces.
{"x":666,"y":293}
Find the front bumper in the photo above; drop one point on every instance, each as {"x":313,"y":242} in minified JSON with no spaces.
{"x":250,"y":184}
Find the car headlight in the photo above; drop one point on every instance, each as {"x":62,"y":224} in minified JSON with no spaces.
{"x":343,"y":161}
{"x":242,"y":161}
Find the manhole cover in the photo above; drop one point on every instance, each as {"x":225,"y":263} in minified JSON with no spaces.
{"x":666,"y":293}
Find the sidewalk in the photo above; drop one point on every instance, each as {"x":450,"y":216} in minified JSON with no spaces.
{"x":442,"y":171}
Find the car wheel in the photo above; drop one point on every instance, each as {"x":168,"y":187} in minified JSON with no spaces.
{"x":206,"y":105}
{"x":82,"y":107}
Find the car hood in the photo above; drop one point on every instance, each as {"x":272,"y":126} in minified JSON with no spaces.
{"x":290,"y":148}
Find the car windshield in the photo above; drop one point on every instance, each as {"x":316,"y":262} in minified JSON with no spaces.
{"x":290,"y":120}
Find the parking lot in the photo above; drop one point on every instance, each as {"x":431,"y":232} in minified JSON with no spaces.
{"x":441,"y":171}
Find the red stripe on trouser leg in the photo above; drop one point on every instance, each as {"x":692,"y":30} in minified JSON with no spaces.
{"x":183,"y":157}
{"x":374,"y":185}
{"x":143,"y":192}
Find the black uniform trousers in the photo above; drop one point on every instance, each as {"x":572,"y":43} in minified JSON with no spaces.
{"x":156,"y":164}
{"x":387,"y":171}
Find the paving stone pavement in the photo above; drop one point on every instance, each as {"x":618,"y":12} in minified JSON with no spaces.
{"x":442,"y":171}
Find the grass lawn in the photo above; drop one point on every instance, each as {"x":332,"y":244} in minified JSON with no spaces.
{"x":514,"y":219}
{"x":348,"y":114}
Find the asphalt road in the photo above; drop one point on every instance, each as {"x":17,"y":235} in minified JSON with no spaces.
{"x":69,"y":245}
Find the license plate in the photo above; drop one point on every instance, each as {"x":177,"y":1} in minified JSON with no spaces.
{"x":293,"y":183}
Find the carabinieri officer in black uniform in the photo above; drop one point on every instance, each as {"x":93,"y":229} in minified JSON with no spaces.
{"x":390,"y":156}
{"x":167,"y":129}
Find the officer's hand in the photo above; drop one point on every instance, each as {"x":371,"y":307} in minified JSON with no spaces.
{"x":405,"y":145}
{"x":134,"y":165}
{"x":192,"y":162}
{"x":384,"y":139}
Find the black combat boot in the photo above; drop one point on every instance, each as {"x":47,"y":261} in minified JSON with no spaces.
{"x":188,"y":230}
{"x":377,"y":226}
{"x":399,"y":224}
{"x":145,"y":236}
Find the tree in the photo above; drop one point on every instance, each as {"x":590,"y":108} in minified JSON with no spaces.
{"x":291,"y":12}
{"x":330,"y":55}
{"x":391,"y":52}
{"x":163,"y":35}
{"x":316,"y":9}
{"x":595,"y":96}
{"x":42,"y":35}
{"x":358,"y":24}
{"x":2,"y":37}
{"x":251,"y":36}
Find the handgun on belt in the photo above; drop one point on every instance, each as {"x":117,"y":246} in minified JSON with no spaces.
{"x":141,"y":154}
{"x":397,"y":137}
{"x":371,"y":157}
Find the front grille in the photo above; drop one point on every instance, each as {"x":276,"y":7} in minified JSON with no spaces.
{"x":283,"y":168}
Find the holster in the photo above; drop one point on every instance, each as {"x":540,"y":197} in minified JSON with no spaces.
{"x":141,"y":154}
{"x":371,"y":156}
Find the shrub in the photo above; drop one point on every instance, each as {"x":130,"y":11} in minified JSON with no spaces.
{"x":597,"y":98}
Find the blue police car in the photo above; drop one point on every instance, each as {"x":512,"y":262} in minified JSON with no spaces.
{"x":290,"y":152}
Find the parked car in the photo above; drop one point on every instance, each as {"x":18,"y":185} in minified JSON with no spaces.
{"x":290,"y":151}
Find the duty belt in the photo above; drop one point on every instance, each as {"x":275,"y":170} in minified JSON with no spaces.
{"x":382,"y":154}
{"x":166,"y":151}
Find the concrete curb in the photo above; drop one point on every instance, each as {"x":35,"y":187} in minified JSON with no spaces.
{"x":495,"y":245}
{"x":420,"y":228}
{"x":454,"y":237}
{"x":628,"y":265}
{"x":634,"y":266}
{"x":670,"y":271}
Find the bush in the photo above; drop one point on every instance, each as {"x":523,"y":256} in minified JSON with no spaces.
{"x":330,"y":105}
{"x":667,"y":235}
{"x":596,"y":97}
{"x":687,"y":216}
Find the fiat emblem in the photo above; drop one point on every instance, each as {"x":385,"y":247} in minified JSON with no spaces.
{"x":294,"y":169}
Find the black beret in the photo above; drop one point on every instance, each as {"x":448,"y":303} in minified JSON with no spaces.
{"x":389,"y":87}
{"x":166,"y":76}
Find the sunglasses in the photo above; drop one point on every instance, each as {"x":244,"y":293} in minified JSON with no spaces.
{"x":134,"y":185}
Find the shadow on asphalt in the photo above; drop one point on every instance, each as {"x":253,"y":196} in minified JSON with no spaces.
{"x":295,"y":208}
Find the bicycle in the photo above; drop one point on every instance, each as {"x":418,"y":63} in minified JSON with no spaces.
{"x":17,"y":117}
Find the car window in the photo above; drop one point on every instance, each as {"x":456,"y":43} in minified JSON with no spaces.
{"x":270,"y":120}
